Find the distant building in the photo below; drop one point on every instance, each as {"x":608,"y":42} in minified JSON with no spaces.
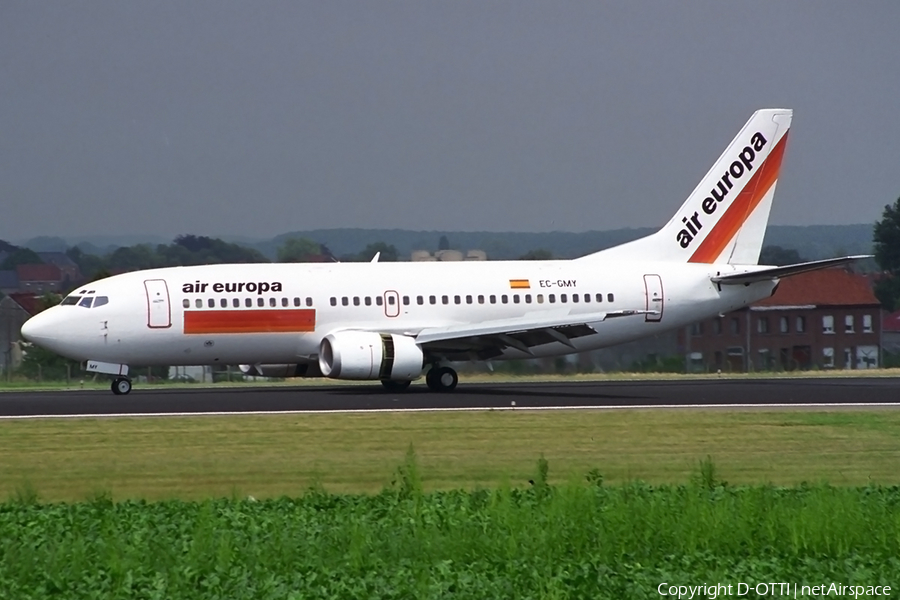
{"x":39,"y":279}
{"x":69,"y":269}
{"x":447,"y":255}
{"x":15,"y":309}
{"x":828,"y":319}
{"x":9,"y":282}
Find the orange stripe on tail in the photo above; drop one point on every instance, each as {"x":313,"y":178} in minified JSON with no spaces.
{"x":738,"y":211}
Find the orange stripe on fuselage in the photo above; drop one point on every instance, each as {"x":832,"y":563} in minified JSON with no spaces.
{"x":298,"y":320}
{"x":738,"y":211}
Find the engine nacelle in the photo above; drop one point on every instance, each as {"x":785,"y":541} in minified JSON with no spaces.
{"x":369,"y":355}
{"x":301,"y":370}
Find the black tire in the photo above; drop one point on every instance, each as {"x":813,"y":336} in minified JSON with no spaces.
{"x":395,"y":386}
{"x":120,"y":386}
{"x":442,"y":379}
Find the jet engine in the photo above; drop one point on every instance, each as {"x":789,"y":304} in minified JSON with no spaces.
{"x":301,"y":370}
{"x":370,"y":355}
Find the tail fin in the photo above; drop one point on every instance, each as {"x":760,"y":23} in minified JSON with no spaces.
{"x":724,"y":219}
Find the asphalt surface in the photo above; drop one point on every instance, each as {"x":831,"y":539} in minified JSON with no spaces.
{"x":754,"y":392}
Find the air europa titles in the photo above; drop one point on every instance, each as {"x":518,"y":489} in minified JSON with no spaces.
{"x":738,"y":169}
{"x":260,"y":288}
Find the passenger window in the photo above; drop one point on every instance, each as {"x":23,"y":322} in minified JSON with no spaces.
{"x":391,"y":300}
{"x":574,"y":297}
{"x":432,"y":299}
{"x":296,"y":301}
{"x":355,"y":300}
{"x":515,"y":298}
{"x":345,"y":301}
{"x":198,"y":303}
{"x":480,"y":299}
{"x":273,"y":302}
{"x":420,"y":300}
{"x":211,"y":303}
{"x":236,"y":303}
{"x":599,"y":297}
{"x":223,"y":303}
{"x":309,"y":301}
{"x":504,"y":299}
{"x":248,"y":302}
{"x":368,"y":300}
{"x":260,"y":302}
{"x":86,"y":302}
{"x":457,"y":300}
{"x":100,"y":301}
{"x":527,"y":298}
{"x":468,"y":299}
{"x":333,"y":301}
{"x":540,"y":298}
{"x":610,"y":298}
{"x":493,"y":299}
{"x":405,"y":300}
{"x":552,"y":298}
{"x":587,"y":297}
{"x":185,"y":303}
{"x":562,"y":298}
{"x":284,"y":301}
{"x":445,"y":300}
{"x":378,"y":300}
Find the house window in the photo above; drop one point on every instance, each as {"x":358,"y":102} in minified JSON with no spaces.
{"x":867,"y":323}
{"x":735,"y":325}
{"x":828,"y":324}
{"x":696,"y":329}
{"x":848,"y":324}
{"x":800,"y":325}
{"x":717,"y":326}
{"x":783,"y":325}
{"x":762,"y":325}
{"x":828,"y":357}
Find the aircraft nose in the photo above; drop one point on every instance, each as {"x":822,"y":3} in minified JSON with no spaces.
{"x":37,"y":329}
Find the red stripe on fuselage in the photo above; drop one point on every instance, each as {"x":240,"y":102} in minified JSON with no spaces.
{"x":301,"y":320}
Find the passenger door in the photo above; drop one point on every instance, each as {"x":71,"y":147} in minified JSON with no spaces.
{"x":159,"y":313}
{"x":654,"y":297}
{"x":391,"y":304}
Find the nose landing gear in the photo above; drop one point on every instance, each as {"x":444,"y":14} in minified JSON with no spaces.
{"x":121,"y":386}
{"x":441,"y":379}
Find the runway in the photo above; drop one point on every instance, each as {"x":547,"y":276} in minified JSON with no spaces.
{"x":149,"y":401}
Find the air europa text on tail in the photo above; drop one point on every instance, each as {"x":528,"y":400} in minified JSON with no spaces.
{"x":738,"y":169}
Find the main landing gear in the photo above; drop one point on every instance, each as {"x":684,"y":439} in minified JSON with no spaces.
{"x":121,"y":386}
{"x":441,"y":379}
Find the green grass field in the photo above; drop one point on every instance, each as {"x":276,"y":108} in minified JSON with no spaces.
{"x":270,"y":456}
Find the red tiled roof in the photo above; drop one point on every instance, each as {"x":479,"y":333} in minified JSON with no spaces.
{"x":828,"y":287}
{"x":30,"y":302}
{"x":39,"y":273}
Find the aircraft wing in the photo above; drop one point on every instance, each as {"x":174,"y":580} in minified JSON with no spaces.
{"x":770,"y":273}
{"x":489,"y":338}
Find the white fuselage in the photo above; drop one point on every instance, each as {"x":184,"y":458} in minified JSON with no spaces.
{"x":153,"y":317}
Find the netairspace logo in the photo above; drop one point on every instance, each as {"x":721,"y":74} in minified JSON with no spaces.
{"x":771,"y":590}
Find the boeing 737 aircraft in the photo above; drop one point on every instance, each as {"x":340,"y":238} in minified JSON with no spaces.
{"x":393,"y":321}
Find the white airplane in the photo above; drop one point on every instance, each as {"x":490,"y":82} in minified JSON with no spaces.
{"x":393,"y":321}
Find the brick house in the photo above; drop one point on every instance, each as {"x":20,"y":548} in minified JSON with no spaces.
{"x":828,"y":319}
{"x":39,"y":279}
{"x":15,"y":309}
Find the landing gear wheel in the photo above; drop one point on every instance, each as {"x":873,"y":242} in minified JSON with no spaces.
{"x":395,"y":386}
{"x":120,"y":386}
{"x":441,"y":379}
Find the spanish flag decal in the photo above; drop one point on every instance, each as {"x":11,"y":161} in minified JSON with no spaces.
{"x":520,"y":284}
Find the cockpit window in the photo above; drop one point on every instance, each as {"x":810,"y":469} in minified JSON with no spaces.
{"x":100,"y":301}
{"x":86,"y":302}
{"x":70,"y":300}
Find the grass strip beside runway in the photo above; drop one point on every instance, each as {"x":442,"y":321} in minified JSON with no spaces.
{"x":271,"y":456}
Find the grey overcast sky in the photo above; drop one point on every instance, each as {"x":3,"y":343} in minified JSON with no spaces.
{"x":258,"y":118}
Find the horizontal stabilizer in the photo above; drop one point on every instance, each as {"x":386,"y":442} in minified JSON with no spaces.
{"x":770,"y":273}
